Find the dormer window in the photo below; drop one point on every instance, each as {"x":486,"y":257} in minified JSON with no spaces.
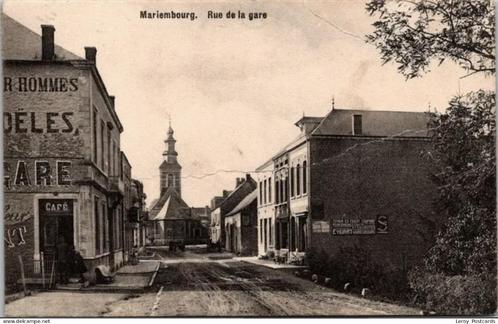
{"x":357,"y":125}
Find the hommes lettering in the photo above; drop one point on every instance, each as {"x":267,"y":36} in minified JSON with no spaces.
{"x":38,"y":84}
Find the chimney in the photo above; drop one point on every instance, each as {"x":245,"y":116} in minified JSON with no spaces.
{"x":357,"y":125}
{"x":48,"y":51}
{"x":238,"y":182}
{"x":248,"y":176}
{"x":112,"y":99}
{"x":91,"y":54}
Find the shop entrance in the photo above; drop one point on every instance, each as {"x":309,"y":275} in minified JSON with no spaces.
{"x":56,"y":224}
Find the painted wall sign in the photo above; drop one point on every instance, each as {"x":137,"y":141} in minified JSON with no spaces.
{"x":55,"y":207}
{"x":37,"y":84}
{"x":22,"y":122}
{"x":321,"y":227}
{"x":16,"y":217}
{"x":360,"y":226}
{"x":39,"y":173}
{"x":15,"y":236}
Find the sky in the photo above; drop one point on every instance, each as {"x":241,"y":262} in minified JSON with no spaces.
{"x":233,"y":87}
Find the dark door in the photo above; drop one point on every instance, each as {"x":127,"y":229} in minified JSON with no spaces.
{"x":56,"y":222}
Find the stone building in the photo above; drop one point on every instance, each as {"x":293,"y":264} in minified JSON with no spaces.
{"x":62,"y":176}
{"x":354,"y":178}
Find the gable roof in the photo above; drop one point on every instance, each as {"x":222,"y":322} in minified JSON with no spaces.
{"x":169,"y":206}
{"x":21,"y":43}
{"x":234,"y":198}
{"x":244,"y":203}
{"x":374,"y":123}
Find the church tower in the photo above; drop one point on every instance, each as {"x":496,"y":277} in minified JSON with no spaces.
{"x":170,"y":170}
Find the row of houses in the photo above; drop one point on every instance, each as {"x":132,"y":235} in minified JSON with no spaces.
{"x":66,"y":178}
{"x":352,"y":178}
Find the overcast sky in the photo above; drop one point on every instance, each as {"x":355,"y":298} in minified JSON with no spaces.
{"x":234,"y":88}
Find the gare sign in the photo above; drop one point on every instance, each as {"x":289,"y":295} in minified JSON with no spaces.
{"x":44,"y":173}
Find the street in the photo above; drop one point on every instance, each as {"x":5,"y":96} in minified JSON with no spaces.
{"x":200,"y":284}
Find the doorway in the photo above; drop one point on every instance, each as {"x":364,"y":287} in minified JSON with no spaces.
{"x":56,"y":222}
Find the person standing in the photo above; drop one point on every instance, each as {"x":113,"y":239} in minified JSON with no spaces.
{"x":62,"y":262}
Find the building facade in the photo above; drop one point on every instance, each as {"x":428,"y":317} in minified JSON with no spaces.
{"x":62,"y":176}
{"x":243,"y":186}
{"x":351,"y":179}
{"x":241,"y":226}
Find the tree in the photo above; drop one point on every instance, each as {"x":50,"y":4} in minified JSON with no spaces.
{"x":465,"y":173}
{"x":414,"y":33}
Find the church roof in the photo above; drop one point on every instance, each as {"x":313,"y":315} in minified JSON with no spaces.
{"x":169,"y":206}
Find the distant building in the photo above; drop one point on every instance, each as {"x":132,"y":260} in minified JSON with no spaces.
{"x":138,"y":214}
{"x":171,"y":221}
{"x":62,"y":174}
{"x":243,"y":186}
{"x":241,"y":226}
{"x":351,"y":178}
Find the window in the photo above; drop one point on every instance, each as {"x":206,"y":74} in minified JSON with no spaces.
{"x":261,"y":231}
{"x":170,"y":181}
{"x":264,"y":191}
{"x":269,"y":232}
{"x":106,"y":229}
{"x":285,"y":190}
{"x":357,"y":125}
{"x":305,"y":178}
{"x":97,"y":225}
{"x":102,"y":126}
{"x":94,"y":132}
{"x":298,"y":180}
{"x":277,"y":191}
{"x":269,"y":190}
{"x":292,"y":181}
{"x":109,"y":162}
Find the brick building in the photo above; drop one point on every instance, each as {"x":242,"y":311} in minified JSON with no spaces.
{"x":61,"y":155}
{"x":351,"y":178}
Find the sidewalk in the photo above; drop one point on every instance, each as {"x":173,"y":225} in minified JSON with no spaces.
{"x":128,"y":278}
{"x":269,"y":263}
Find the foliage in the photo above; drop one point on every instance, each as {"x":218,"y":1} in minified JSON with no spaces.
{"x":455,"y":295}
{"x":415,"y":32}
{"x":465,"y":172}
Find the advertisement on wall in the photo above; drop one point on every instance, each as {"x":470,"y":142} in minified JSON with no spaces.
{"x":369,"y":226}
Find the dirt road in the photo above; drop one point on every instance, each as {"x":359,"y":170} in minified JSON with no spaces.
{"x":204,"y":287}
{"x":201,"y":284}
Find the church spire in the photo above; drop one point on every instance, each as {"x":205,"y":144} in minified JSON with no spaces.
{"x":170,"y":154}
{"x":170,"y":169}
